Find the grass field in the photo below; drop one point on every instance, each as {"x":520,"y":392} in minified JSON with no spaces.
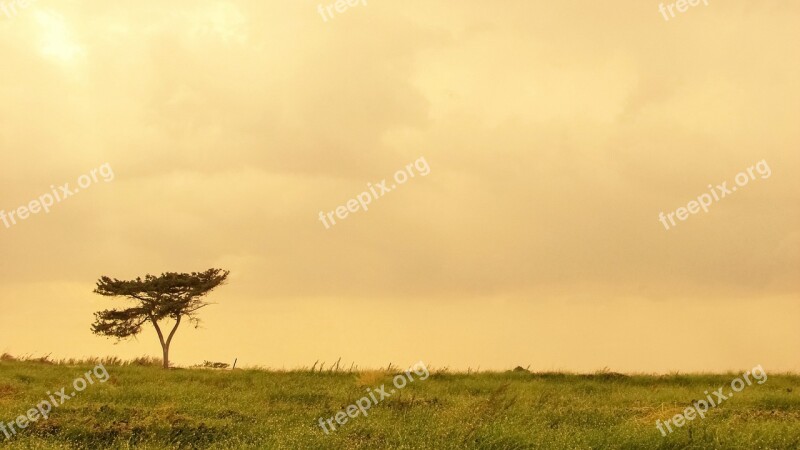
{"x":146,"y":407}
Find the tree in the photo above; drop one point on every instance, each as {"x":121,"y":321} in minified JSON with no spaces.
{"x":168,"y":296}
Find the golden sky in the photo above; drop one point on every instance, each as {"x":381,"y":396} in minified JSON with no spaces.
{"x":555,"y":133}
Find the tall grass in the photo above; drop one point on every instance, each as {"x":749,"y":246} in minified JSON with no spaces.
{"x":144,"y":406}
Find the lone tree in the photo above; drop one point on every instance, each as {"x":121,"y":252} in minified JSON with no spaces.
{"x":168,"y":296}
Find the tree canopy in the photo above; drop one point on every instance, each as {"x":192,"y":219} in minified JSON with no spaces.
{"x":167,"y":296}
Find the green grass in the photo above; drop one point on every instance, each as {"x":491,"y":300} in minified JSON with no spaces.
{"x":146,"y":407}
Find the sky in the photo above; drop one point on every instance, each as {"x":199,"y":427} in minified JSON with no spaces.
{"x":552,"y":136}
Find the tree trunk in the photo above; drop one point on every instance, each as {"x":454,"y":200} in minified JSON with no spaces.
{"x":169,"y":341}
{"x":165,"y":349}
{"x":165,"y":344}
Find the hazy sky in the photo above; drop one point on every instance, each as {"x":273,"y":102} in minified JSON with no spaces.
{"x":555,"y":132}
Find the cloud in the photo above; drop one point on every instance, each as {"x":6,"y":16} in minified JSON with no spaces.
{"x":556,"y":132}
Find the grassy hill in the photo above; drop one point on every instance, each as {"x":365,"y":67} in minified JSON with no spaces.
{"x":141,"y":406}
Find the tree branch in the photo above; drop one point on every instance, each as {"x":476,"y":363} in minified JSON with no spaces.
{"x":158,"y":330}
{"x":174,"y":329}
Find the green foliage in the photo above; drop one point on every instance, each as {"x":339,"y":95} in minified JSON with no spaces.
{"x":143,"y":407}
